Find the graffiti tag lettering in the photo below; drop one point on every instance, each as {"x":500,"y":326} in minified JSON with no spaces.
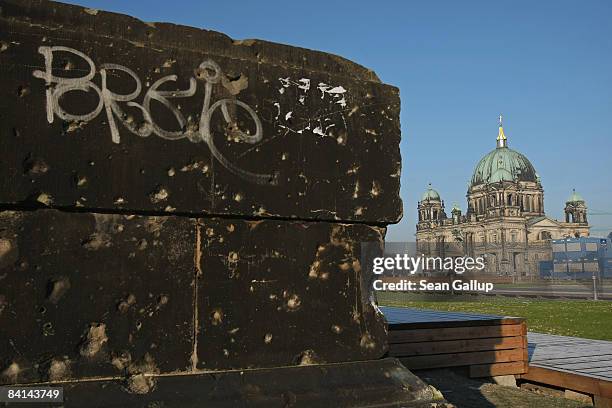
{"x":208,"y":70}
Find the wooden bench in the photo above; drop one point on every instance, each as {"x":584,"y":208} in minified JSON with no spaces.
{"x":489,"y":345}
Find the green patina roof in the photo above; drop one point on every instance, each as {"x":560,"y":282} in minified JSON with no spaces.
{"x":503,"y":164}
{"x":500,"y":175}
{"x":575,"y":198}
{"x":430,"y":194}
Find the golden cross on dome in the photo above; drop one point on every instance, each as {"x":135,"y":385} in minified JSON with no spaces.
{"x":501,"y":137}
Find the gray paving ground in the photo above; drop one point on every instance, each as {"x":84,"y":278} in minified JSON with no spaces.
{"x":464,"y":392}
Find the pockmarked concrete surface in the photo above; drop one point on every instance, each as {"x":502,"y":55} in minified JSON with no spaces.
{"x":182,"y":216}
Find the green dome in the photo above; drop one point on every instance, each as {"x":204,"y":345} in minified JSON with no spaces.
{"x":575,"y":198}
{"x":503,"y":164}
{"x":430,"y":194}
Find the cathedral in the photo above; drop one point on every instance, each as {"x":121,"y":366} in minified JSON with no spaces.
{"x":505,"y":220}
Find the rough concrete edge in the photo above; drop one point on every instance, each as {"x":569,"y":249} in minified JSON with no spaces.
{"x":47,"y":12}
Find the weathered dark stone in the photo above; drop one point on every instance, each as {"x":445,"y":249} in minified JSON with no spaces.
{"x":278,"y":164}
{"x":373,"y":384}
{"x":281,"y":293}
{"x":328,"y":147}
{"x":96,"y":293}
{"x":86,"y":295}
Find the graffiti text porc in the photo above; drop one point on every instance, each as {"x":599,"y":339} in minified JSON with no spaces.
{"x":108,"y":100}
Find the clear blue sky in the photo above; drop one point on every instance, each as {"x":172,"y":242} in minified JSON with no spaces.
{"x":546,"y":65}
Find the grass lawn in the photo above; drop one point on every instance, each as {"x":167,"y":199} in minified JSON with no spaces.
{"x":578,"y":318}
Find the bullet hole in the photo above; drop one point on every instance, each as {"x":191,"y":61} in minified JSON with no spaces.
{"x":35,"y":166}
{"x":5,"y":247}
{"x":142,"y":244}
{"x":3,"y":46}
{"x":169,"y":62}
{"x":80,"y":181}
{"x":315,"y":269}
{"x":344,"y":266}
{"x":16,"y":132}
{"x":125,"y":304}
{"x":359,"y":211}
{"x":140,"y":384}
{"x":238,"y":197}
{"x":376,"y":190}
{"x":367,"y":342}
{"x":268,"y":338}
{"x":57,"y":289}
{"x":161,"y":194}
{"x":162,"y":300}
{"x":59,"y":369}
{"x":42,"y":310}
{"x":118,"y":227}
{"x":23,"y":91}
{"x":68,"y":65}
{"x":230,"y":228}
{"x":45,"y":199}
{"x":235,"y":84}
{"x":274,"y":179}
{"x":73,"y":126}
{"x":96,"y":241}
{"x":294,"y":302}
{"x":11,"y":372}
{"x":336,"y":329}
{"x":217,"y":317}
{"x":94,"y":339}
{"x":121,"y":361}
{"x":307,"y":357}
{"x":138,"y":325}
{"x":260,"y":211}
{"x":47,"y":329}
{"x":171,"y":172}
{"x":119,"y":201}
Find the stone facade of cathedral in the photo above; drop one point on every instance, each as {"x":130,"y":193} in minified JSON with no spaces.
{"x":505,"y":219}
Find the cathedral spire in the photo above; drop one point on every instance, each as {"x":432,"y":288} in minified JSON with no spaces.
{"x":501,"y":137}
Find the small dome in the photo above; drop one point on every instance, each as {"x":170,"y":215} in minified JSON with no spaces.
{"x":575,"y":198}
{"x":430,"y":195}
{"x":499,"y":175}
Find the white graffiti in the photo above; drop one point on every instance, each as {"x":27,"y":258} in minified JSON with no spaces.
{"x":208,"y":71}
